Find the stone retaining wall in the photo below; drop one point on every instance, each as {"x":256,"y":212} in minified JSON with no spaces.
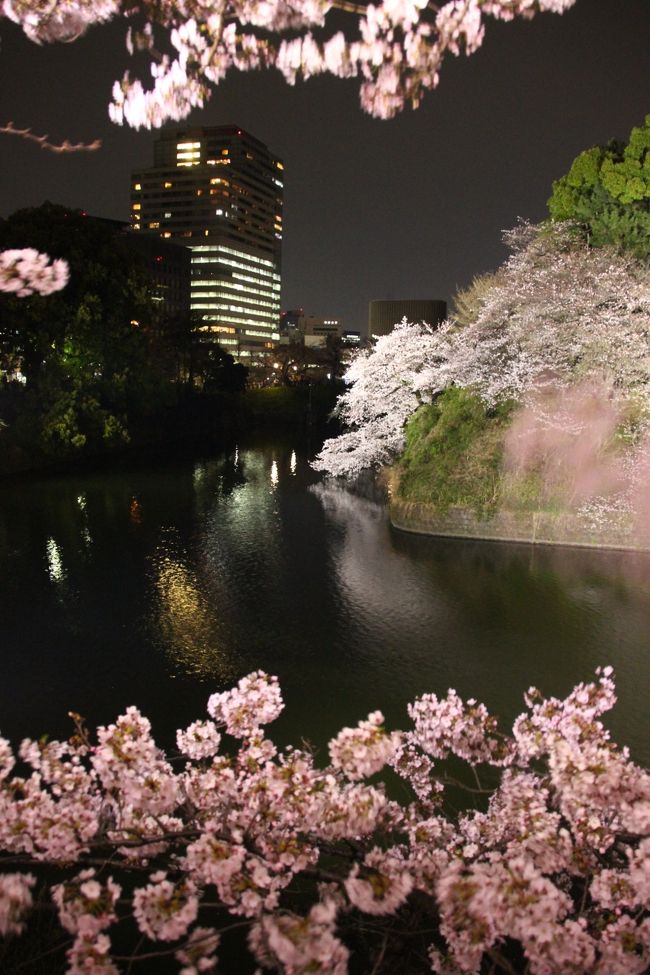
{"x":536,"y":527}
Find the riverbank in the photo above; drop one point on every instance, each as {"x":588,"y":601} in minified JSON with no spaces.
{"x":456,"y":479}
{"x":563,"y":528}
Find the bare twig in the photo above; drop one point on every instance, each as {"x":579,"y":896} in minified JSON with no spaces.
{"x":166,"y":952}
{"x":43,"y":954}
{"x":380,"y":957}
{"x":44,"y":143}
{"x":359,"y":9}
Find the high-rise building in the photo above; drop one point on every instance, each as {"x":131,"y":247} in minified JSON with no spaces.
{"x":219,"y":191}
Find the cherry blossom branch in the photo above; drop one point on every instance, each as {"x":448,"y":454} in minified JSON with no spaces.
{"x":44,"y":143}
{"x":396,"y":55}
{"x":57,"y":949}
{"x":259,"y":826}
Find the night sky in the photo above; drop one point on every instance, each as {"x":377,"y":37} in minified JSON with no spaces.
{"x":413,"y":207}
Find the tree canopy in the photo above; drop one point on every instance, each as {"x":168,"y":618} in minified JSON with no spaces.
{"x":80,"y":351}
{"x":558,"y":312}
{"x":607,"y":192}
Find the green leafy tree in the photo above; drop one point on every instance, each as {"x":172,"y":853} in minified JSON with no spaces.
{"x":82,"y":351}
{"x":607,"y":191}
{"x":219,"y":371}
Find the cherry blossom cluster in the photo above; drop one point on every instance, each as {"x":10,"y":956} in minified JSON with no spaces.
{"x":549,"y":863}
{"x":397,"y":49}
{"x":386,"y":384}
{"x":26,"y":272}
{"x":557,"y":315}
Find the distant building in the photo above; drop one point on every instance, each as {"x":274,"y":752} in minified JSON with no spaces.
{"x":167,"y":267}
{"x":385,"y":313}
{"x":290,"y":325}
{"x":219,"y":191}
{"x":309,"y":329}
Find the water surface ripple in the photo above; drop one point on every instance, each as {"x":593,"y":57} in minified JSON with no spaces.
{"x":159,"y":584}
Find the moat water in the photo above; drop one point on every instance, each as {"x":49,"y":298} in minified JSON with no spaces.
{"x":159,"y":583}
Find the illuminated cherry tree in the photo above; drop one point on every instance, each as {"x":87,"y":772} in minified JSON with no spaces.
{"x":386,"y":384}
{"x":240,"y":836}
{"x":559,"y":313}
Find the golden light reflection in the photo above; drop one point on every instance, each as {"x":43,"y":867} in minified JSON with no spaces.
{"x":187,"y":625}
{"x":54,"y":564}
{"x":274,"y":473}
{"x":85,"y":532}
{"x":293,"y":462}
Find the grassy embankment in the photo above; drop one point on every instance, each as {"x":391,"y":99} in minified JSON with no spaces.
{"x":456,"y":477}
{"x":454,"y":454}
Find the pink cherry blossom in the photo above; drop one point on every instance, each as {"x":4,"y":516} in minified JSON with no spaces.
{"x":554,"y":859}
{"x":163,"y":909}
{"x":26,"y":272}
{"x":395,"y":47}
{"x":364,"y":750}
{"x":15,"y":901}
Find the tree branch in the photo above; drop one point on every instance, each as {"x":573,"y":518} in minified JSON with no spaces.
{"x":44,"y":143}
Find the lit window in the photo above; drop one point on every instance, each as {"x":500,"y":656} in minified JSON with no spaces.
{"x":166,"y":233}
{"x":188,"y":145}
{"x":225,"y":152}
{"x":279,"y":165}
{"x":137,"y":186}
{"x":154,"y":225}
{"x":136,"y":206}
{"x":167,"y":185}
{"x":167,"y":215}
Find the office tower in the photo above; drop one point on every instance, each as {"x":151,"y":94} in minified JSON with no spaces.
{"x":219,"y":191}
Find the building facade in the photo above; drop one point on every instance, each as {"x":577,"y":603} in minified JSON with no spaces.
{"x":385,"y":313}
{"x":309,"y":329}
{"x":219,"y":191}
{"x":168,"y":270}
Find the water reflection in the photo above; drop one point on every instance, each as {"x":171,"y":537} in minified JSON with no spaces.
{"x":184,"y":617}
{"x":489,"y":618}
{"x":382,"y":591}
{"x":54,"y":563}
{"x":202,"y":569}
